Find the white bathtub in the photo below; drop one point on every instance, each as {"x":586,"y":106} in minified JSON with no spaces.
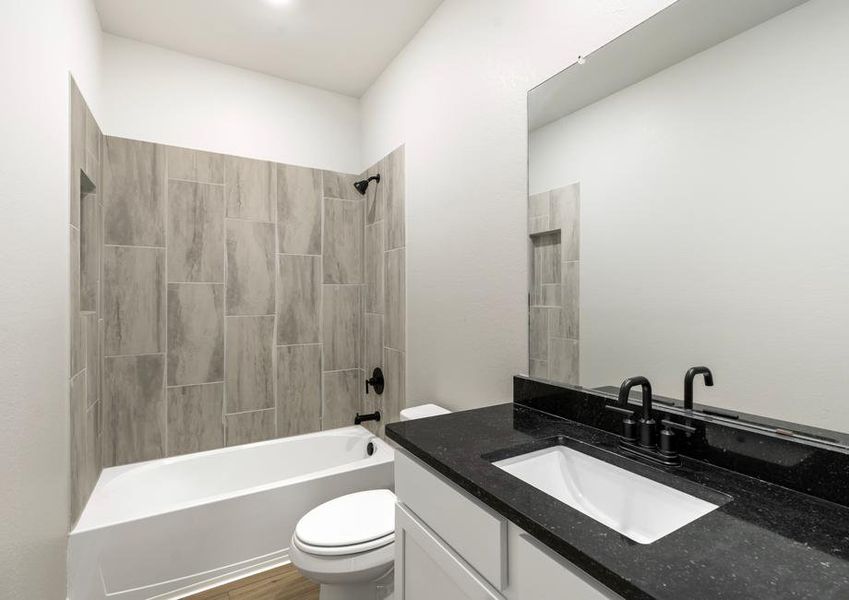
{"x":166,"y":528}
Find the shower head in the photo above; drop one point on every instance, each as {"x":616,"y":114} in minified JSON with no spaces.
{"x":362,"y":186}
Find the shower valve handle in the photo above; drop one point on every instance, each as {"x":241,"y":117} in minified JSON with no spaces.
{"x":376,"y":382}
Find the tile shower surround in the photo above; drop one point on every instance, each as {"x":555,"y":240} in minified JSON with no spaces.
{"x":245,"y":300}
{"x":218,"y":300}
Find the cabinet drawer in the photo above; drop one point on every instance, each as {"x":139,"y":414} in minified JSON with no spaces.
{"x":475,"y":533}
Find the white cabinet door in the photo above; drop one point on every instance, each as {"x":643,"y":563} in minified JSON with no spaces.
{"x":538,"y":573}
{"x":427,"y":569}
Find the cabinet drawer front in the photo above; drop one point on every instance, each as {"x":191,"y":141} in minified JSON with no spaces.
{"x":427,"y":568}
{"x":475,"y":533}
{"x":538,"y":572}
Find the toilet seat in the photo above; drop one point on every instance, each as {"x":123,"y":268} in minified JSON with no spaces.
{"x":343,"y":550}
{"x":347,"y":525}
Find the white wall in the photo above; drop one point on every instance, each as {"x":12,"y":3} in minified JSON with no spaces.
{"x":456,"y":96}
{"x":714,"y":220}
{"x":163,"y":96}
{"x":40,"y":42}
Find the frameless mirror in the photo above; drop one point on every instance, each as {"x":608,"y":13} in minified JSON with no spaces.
{"x":689,"y":205}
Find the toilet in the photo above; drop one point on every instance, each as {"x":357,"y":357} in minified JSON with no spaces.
{"x":347,"y":544}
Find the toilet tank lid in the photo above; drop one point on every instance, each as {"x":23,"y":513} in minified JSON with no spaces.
{"x":422,"y":411}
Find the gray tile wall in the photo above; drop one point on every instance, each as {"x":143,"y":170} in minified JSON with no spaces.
{"x":236,"y":295}
{"x":554,"y":227}
{"x":384,"y":296}
{"x":85,"y":406}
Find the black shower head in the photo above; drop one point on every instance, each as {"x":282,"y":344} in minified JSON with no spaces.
{"x":362,"y":186}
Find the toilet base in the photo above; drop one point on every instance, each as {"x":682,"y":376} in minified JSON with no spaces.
{"x":382,"y":589}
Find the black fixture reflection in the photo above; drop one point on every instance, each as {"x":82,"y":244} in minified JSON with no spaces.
{"x":688,"y":384}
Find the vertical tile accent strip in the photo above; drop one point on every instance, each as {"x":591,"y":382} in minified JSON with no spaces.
{"x":78,"y":417}
{"x":554,"y":311}
{"x":249,"y":189}
{"x":396,"y":383}
{"x":298,"y":210}
{"x":395,"y":199}
{"x":564,"y":362}
{"x":76,"y":327}
{"x":538,"y":343}
{"x":195,"y":333}
{"x":374,"y":268}
{"x":92,"y":359}
{"x":134,"y":387}
{"x":343,"y":241}
{"x":299,"y":299}
{"x":341,"y":398}
{"x":77,"y":133}
{"x":250,"y":268}
{"x":248,"y":355}
{"x":195,"y":232}
{"x":133,"y":303}
{"x":89,"y":251}
{"x":376,"y":195}
{"x":298,"y":389}
{"x":195,"y":420}
{"x":133,"y":186}
{"x":396,"y":299}
{"x":373,"y":342}
{"x":341,"y":327}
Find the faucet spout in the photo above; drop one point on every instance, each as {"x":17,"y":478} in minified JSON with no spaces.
{"x":688,"y":384}
{"x":625,"y":393}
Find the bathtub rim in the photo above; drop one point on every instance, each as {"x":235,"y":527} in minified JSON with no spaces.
{"x":385,"y":454}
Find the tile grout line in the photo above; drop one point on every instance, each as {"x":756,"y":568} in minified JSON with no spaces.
{"x":224,"y":395}
{"x":273,"y":191}
{"x":166,"y":292}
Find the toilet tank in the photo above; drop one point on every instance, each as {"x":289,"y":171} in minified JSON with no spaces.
{"x":422,"y":411}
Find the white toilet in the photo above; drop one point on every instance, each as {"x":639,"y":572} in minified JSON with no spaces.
{"x":348,"y":544}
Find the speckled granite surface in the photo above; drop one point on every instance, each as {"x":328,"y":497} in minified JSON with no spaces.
{"x":763,"y":542}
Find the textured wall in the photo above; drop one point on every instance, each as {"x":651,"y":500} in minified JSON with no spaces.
{"x":234,"y":298}
{"x":155,"y":94}
{"x":455,"y":96}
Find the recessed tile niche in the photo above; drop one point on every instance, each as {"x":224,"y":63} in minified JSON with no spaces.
{"x":554,"y":285}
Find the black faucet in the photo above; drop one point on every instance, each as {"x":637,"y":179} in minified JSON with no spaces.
{"x":688,"y":384}
{"x":647,"y":424}
{"x":642,"y":443}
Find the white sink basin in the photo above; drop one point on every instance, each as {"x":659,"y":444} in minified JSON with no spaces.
{"x":638,"y":508}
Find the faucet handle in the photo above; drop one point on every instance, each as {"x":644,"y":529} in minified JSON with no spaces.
{"x":629,"y":425}
{"x":619,"y":409}
{"x":680,"y":426}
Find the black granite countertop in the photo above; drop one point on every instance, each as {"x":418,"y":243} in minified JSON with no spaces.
{"x":764,"y":541}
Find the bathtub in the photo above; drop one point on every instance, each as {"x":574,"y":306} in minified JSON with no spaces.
{"x":170,"y":527}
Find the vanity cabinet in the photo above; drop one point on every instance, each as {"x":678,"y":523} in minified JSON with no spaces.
{"x":452,"y":547}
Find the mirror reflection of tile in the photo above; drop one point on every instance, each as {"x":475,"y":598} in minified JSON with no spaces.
{"x":554,"y":228}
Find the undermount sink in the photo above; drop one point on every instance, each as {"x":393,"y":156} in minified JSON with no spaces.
{"x":635,"y":506}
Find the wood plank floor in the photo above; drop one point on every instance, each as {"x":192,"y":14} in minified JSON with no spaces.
{"x":282,"y":583}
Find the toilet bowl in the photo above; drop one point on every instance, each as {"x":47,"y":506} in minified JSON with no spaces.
{"x":347,"y":545}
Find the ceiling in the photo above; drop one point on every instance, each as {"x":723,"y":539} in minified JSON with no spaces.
{"x":336,"y":45}
{"x":681,"y":30}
